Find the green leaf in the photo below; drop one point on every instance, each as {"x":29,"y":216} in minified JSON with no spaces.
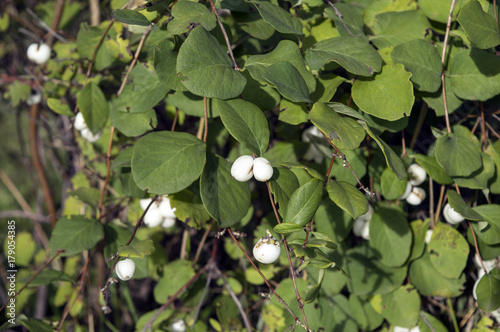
{"x":422,"y":59}
{"x":138,"y":248}
{"x":392,"y":187}
{"x":435,"y":100}
{"x":366,"y":316}
{"x":326,"y":88}
{"x":457,"y":155}
{"x":133,"y":124}
{"x":253,"y":24}
{"x":47,"y":277}
{"x":459,"y":205}
{"x":402,"y":307}
{"x":313,"y":293}
{"x":283,"y":184}
{"x":354,"y":54}
{"x":87,"y":195}
{"x":89,"y":37}
{"x":491,"y":233}
{"x":488,"y":291}
{"x":430,"y":282}
{"x":388,"y":95}
{"x":205,"y":68}
{"x":344,"y":132}
{"x":75,"y":235}
{"x":130,"y":17}
{"x":288,"y":81}
{"x":330,"y":243}
{"x":433,"y":169}
{"x":225,"y":199}
{"x":165,"y":62}
{"x":304,"y":202}
{"x":94,"y":107}
{"x":350,"y":22}
{"x":292,"y":113}
{"x":167,"y":162}
{"x":419,"y":230}
{"x":191,"y":104}
{"x":143,"y":91}
{"x":189,"y":207}
{"x":330,"y":219}
{"x":479,"y":26}
{"x":391,"y":158}
{"x":311,"y":171}
{"x":175,"y":275}
{"x":480,"y":178}
{"x":59,"y":106}
{"x":288,"y":228}
{"x":188,"y":13}
{"x":278,"y":18}
{"x":394,"y":28}
{"x":474,"y":74}
{"x":439,"y":10}
{"x":448,"y":251}
{"x":390,"y":236}
{"x":347,"y":197}
{"x":286,"y":50}
{"x":245,"y":122}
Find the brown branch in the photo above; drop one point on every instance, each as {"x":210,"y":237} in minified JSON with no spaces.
{"x":420,"y":122}
{"x":228,"y":44}
{"x":108,"y":172}
{"x":476,"y":246}
{"x":205,"y":134}
{"x":202,"y":242}
{"x":14,"y":191}
{"x":55,"y":21}
{"x":175,"y":119}
{"x":443,"y":60}
{"x":483,"y":123}
{"x":33,"y":278}
{"x":95,"y":12}
{"x":327,"y":176}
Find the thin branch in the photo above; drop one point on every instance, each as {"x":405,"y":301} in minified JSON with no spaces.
{"x":33,"y":277}
{"x":228,"y":44}
{"x":202,"y":242}
{"x":205,"y":134}
{"x":438,"y":209}
{"x":14,"y":191}
{"x":483,"y":124}
{"x":339,"y":15}
{"x":202,"y":299}
{"x":420,"y":122}
{"x":476,"y":246}
{"x":443,"y":60}
{"x":95,"y":12}
{"x":492,"y":130}
{"x":24,"y":214}
{"x":327,"y":176}
{"x":175,"y":119}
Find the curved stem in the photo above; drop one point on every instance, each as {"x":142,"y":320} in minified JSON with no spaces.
{"x":443,"y":60}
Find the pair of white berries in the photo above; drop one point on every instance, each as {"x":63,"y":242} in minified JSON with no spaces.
{"x":415,"y":195}
{"x":125,"y":269}
{"x":81,"y":126}
{"x":267,"y":250}
{"x":159,"y":213}
{"x":38,"y":53}
{"x":246,"y":167}
{"x":361,"y":226}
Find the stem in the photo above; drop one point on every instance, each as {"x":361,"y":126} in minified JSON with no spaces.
{"x":452,"y":314}
{"x":438,"y":210}
{"x":228,"y":44}
{"x":175,"y":119}
{"x":108,"y":171}
{"x":205,"y":134}
{"x":477,"y":248}
{"x":202,"y":242}
{"x":327,"y":176}
{"x":483,"y":123}
{"x":443,"y":57}
{"x":418,"y":127}
{"x":431,"y":199}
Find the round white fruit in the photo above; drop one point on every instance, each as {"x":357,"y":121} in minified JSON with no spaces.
{"x":365,"y":231}
{"x":267,"y":250}
{"x":428,"y":236}
{"x":480,"y":274}
{"x":178,"y":326}
{"x":79,"y":123}
{"x":451,"y":216}
{"x":489,"y":264}
{"x":145,"y":202}
{"x":358,"y":225}
{"x":153,"y":217}
{"x":262,"y":169}
{"x":242,"y":168}
{"x":87,"y":134}
{"x":368,"y":215}
{"x":407,"y":192}
{"x":38,"y":53}
{"x":168,"y":222}
{"x":311,"y":131}
{"x":165,"y":208}
{"x":416,"y":196}
{"x":417,"y":173}
{"x":34,"y":98}
{"x":404,"y":329}
{"x":125,"y":269}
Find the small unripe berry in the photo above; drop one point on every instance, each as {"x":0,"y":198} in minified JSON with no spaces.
{"x":451,"y":216}
{"x":416,"y":196}
{"x":242,"y":168}
{"x":125,"y":269}
{"x":417,"y":173}
{"x":262,"y":169}
{"x":38,"y":53}
{"x":267,"y":250}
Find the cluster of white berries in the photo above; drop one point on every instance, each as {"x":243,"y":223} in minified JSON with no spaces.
{"x":81,"y":126}
{"x":38,"y":53}
{"x":125,"y":269}
{"x":246,"y":167}
{"x":312,"y":153}
{"x":361,"y":226}
{"x":415,"y":195}
{"x":160,"y":213}
{"x":267,"y":250}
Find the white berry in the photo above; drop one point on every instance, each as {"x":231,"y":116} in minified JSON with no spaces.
{"x":451,"y":216}
{"x":125,"y":269}
{"x":404,"y":329}
{"x":79,"y":123}
{"x":480,"y":274}
{"x":368,"y":215}
{"x":417,"y":173}
{"x":153,"y":217}
{"x":428,"y":236}
{"x":168,"y":222}
{"x":38,"y":53}
{"x":407,"y":192}
{"x":358,"y":225}
{"x":262,"y":169}
{"x":489,"y":264}
{"x":267,"y":250}
{"x":365,"y":231}
{"x":144,"y":202}
{"x":178,"y":326}
{"x":34,"y":98}
{"x":416,"y":196}
{"x":89,"y":136}
{"x":165,"y":208}
{"x":242,"y":169}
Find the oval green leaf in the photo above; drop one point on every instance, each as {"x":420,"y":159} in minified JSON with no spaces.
{"x":457,"y":155}
{"x":304,"y":202}
{"x":94,"y":107}
{"x":347,"y":197}
{"x":75,"y":234}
